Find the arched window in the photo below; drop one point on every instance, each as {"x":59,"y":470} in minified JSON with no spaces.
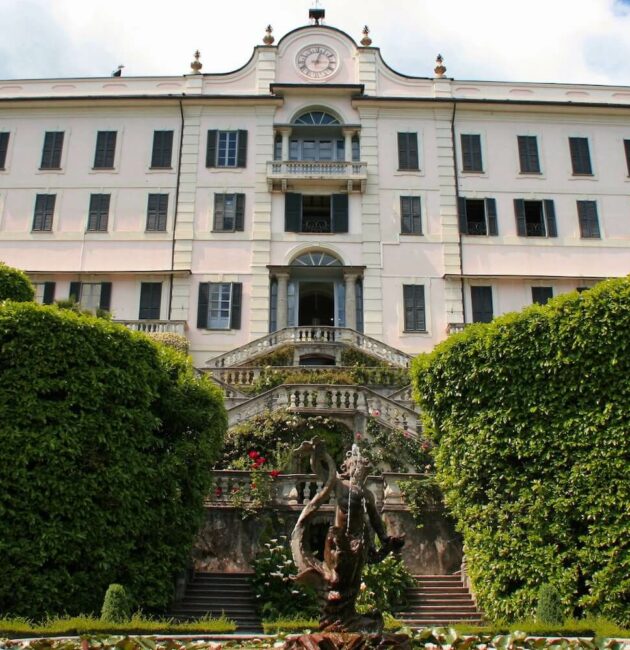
{"x":316,"y":118}
{"x":316,"y":258}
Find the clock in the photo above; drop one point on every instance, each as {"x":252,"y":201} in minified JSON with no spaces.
{"x":317,"y":61}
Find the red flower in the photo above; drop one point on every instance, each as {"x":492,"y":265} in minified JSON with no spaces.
{"x":253,"y":455}
{"x":218,"y":492}
{"x":261,"y":460}
{"x":253,"y":486}
{"x":357,"y":435}
{"x":375,"y":413}
{"x":274,"y":473}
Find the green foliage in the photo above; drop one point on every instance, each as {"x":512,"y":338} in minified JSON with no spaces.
{"x":386,"y":585}
{"x":281,"y":356}
{"x":116,"y":605}
{"x":105,"y":443}
{"x":587,"y":627}
{"x":300,"y":624}
{"x":72,"y":305}
{"x":276,"y":434}
{"x":176,"y":341}
{"x":549,"y":607}
{"x":15,"y":285}
{"x":277,"y":593}
{"x":421,"y":495}
{"x":137,"y":624}
{"x":530,"y":413}
{"x":353,"y":357}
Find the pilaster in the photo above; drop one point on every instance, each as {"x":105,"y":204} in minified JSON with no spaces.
{"x":266,"y":68}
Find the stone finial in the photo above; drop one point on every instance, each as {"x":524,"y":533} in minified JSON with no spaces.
{"x":440,"y":68}
{"x":196,"y":65}
{"x":366,"y":41}
{"x":268,"y":39}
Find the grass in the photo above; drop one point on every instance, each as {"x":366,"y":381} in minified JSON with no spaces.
{"x":600,"y":627}
{"x":78,"y":625}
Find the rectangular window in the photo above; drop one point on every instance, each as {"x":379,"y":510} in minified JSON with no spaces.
{"x":157,"y":209}
{"x":219,"y":305}
{"x":51,"y":153}
{"x":44,"y":292}
{"x":229,"y":212}
{"x":589,"y":222}
{"x":92,"y":295}
{"x":410,"y":218}
{"x":4,"y":147}
{"x":105,"y":150}
{"x":626,"y":144}
{"x":415,"y":313}
{"x":482,"y":309}
{"x":150,"y":300}
{"x":535,"y":218}
{"x":44,"y":211}
{"x":99,"y":213}
{"x":227,"y":148}
{"x":408,"y":151}
{"x":162,"y":150}
{"x":542,"y":295}
{"x":528,"y":154}
{"x":310,"y":213}
{"x":478,"y":217}
{"x":471,"y":153}
{"x":580,"y":156}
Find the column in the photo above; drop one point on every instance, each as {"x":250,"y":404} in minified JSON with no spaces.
{"x":281,"y":316}
{"x":285,"y":132}
{"x":351,"y":300}
{"x":348,"y":134}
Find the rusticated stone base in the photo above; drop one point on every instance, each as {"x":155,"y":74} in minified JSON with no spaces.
{"x":348,"y":641}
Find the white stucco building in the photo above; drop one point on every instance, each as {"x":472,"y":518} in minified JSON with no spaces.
{"x":313,"y":186}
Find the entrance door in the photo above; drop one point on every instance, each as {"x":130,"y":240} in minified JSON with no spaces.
{"x":317,"y":304}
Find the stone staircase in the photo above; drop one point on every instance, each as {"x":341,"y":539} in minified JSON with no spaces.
{"x":439,"y":600}
{"x":214,"y":594}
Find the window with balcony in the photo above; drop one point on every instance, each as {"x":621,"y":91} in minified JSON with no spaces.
{"x":541,"y":295}
{"x":478,"y":217}
{"x":150,"y":300}
{"x":226,"y":148}
{"x":92,"y":295}
{"x":219,"y":306}
{"x":4,"y":148}
{"x":481,"y":301}
{"x":535,"y":218}
{"x":308,"y":213}
{"x":105,"y":150}
{"x":229,"y":212}
{"x":44,"y":212}
{"x":53,"y":147}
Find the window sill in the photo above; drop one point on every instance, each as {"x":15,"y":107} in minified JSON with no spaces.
{"x":582,"y":177}
{"x":522,"y":173}
{"x":473,"y":172}
{"x":38,"y":232}
{"x":101,"y":170}
{"x":50,"y":170}
{"x":412,"y":234}
{"x":153,"y":170}
{"x":416,"y":333}
{"x":147,"y":232}
{"x":96,"y":232}
{"x":415,"y":170}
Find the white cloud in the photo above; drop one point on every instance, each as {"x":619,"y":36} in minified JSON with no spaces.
{"x":540,"y":40}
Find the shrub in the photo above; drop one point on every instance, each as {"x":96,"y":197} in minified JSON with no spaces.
{"x":176,"y":341}
{"x":105,"y":444}
{"x":386,"y":585}
{"x":530,"y":416}
{"x":281,"y":356}
{"x":549,"y":608}
{"x":116,"y":605}
{"x":15,"y":285}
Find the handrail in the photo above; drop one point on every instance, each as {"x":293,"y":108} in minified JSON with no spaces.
{"x":282,"y":168}
{"x":311,"y":334}
{"x":154,"y":325}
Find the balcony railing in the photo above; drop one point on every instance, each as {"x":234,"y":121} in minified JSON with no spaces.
{"x":174,"y":326}
{"x":352,"y":175}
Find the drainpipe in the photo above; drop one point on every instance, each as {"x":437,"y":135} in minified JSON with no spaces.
{"x":459,"y":234}
{"x":179,"y":172}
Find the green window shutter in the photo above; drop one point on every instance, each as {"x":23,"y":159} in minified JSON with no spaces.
{"x":44,"y":211}
{"x":202,"y":305}
{"x":528,"y":154}
{"x":626,"y":145}
{"x":580,"y":156}
{"x":75,"y":291}
{"x":150,"y":300}
{"x":292,"y":212}
{"x":4,"y":147}
{"x":106,"y":296}
{"x":519,"y":211}
{"x":235,"y":316}
{"x":211,"y":148}
{"x":542,"y":295}
{"x":491,"y":217}
{"x":482,"y":308}
{"x":463,"y":222}
{"x":408,"y":151}
{"x":162,"y":155}
{"x":219,"y":211}
{"x":241,"y":160}
{"x":105,"y":150}
{"x":550,"y":218}
{"x":589,"y":222}
{"x":471,"y":152}
{"x":414,"y":307}
{"x":51,"y":153}
{"x":340,"y":213}
{"x":49,"y":293}
{"x":239,"y":219}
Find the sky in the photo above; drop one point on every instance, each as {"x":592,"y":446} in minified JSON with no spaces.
{"x":576,"y":41}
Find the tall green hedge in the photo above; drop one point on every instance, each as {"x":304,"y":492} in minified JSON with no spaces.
{"x":531,"y":414}
{"x":106,"y":441}
{"x":15,"y":285}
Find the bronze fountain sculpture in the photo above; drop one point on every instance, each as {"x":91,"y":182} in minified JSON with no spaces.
{"x":349,"y":542}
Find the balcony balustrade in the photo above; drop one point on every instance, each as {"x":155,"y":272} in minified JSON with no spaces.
{"x":347,"y":175}
{"x":150,"y":326}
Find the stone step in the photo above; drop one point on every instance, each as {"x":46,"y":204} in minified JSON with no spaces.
{"x":246,"y":608}
{"x":441,"y":590}
{"x":440,"y":600}
{"x":227,"y":594}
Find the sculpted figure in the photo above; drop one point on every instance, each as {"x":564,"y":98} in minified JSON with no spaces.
{"x":348,"y":544}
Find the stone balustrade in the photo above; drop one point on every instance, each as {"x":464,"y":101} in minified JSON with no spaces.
{"x":296,"y":490}
{"x":351,"y":175}
{"x":173,"y":326}
{"x":328,"y":399}
{"x":308,"y":335}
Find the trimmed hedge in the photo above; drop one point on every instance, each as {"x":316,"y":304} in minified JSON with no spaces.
{"x":531,"y":414}
{"x":15,"y":285}
{"x":106,"y":440}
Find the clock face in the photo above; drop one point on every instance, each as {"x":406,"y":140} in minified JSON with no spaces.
{"x":317,"y":61}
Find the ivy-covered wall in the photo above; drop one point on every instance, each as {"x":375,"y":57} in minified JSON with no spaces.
{"x":531,"y":416}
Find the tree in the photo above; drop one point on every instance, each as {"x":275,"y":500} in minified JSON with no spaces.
{"x":15,"y":285}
